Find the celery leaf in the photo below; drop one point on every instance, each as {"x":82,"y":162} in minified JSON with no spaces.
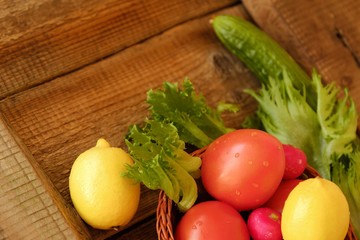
{"x":160,"y":162}
{"x":197,"y":123}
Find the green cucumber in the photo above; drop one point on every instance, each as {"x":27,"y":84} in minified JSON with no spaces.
{"x":261,"y":54}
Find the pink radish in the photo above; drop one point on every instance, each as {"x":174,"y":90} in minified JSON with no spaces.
{"x":295,"y":162}
{"x":264,"y":224}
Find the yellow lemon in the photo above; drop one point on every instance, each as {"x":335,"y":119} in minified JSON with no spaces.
{"x":102,"y":197}
{"x":315,"y":209}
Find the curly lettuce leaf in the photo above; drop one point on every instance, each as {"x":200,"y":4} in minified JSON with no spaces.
{"x":284,"y":113}
{"x":337,"y":117}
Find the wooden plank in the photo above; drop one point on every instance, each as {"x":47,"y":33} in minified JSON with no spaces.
{"x":29,"y":203}
{"x":59,"y":119}
{"x":318,"y":34}
{"x":40,"y":40}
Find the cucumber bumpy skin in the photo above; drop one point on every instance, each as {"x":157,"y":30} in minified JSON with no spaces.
{"x":261,"y":54}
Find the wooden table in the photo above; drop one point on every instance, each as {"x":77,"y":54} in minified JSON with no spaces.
{"x":74,"y":71}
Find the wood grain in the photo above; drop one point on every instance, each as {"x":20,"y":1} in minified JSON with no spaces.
{"x":40,"y":40}
{"x":59,"y":119}
{"x":30,"y":207}
{"x":318,"y":34}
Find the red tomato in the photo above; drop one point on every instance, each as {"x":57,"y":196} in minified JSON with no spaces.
{"x":212,"y":220}
{"x":277,"y":201}
{"x":243,"y":168}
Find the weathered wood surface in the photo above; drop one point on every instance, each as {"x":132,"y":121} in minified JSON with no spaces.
{"x":74,"y":71}
{"x":40,"y":40}
{"x":29,"y":204}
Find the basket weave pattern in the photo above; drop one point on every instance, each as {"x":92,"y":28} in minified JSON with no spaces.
{"x":164,"y":223}
{"x":165,"y":214}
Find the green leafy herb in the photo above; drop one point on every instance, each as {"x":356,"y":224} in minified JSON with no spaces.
{"x":197,"y":123}
{"x":162,"y":163}
{"x":178,"y":116}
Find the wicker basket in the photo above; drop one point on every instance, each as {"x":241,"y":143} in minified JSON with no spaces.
{"x":167,"y":215}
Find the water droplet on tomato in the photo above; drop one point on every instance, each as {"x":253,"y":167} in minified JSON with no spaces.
{"x":265,"y":163}
{"x":194,"y":227}
{"x":237,"y":155}
{"x":250,"y":162}
{"x":255,"y":185}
